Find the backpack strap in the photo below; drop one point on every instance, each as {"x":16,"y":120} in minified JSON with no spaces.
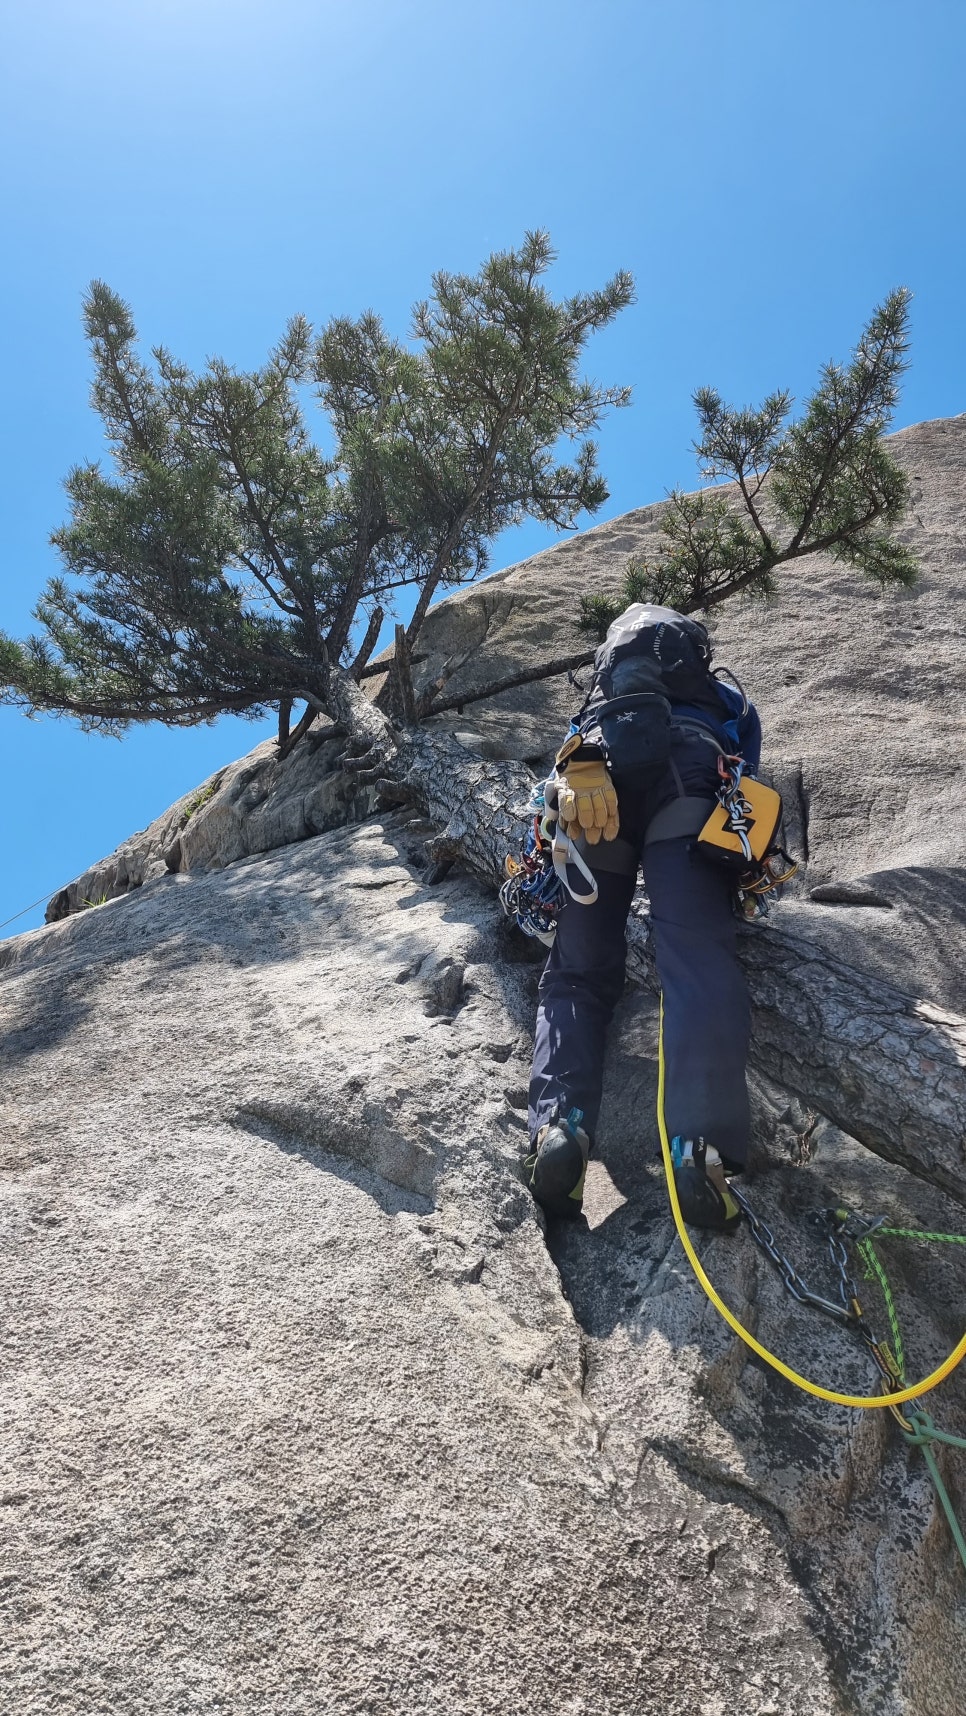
{"x":698,"y":729}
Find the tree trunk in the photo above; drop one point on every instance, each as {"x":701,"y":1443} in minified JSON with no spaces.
{"x":368,"y":728}
{"x":431,"y":702}
{"x":403,"y":699}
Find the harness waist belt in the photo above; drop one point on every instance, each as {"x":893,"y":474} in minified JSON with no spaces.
{"x":618,"y":857}
{"x":685,"y":815}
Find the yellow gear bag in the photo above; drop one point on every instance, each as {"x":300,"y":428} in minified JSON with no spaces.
{"x":762,"y":808}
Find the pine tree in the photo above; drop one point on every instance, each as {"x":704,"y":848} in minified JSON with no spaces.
{"x":824,"y":483}
{"x":226,"y":563}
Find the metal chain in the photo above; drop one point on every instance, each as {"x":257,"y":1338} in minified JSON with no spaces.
{"x":841,"y":1224}
{"x":849,"y":1310}
{"x":918,"y":1428}
{"x":849,"y":1294}
{"x":764,"y":1238}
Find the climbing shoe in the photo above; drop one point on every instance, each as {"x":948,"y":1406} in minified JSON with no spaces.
{"x":558,"y":1164}
{"x":703,"y":1192}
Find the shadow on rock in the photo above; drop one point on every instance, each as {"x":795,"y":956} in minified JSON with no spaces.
{"x":40,"y":1026}
{"x":398,"y":1172}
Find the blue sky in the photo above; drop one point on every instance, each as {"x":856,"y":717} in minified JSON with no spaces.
{"x":766,"y":170}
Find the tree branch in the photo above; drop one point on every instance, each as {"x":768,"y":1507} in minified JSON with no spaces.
{"x":749,"y":501}
{"x":304,"y":605}
{"x":120,"y":383}
{"x":288,"y":744}
{"x":251,"y":566}
{"x":527,"y":676}
{"x":368,"y":644}
{"x":828,"y":464}
{"x":445,"y":552}
{"x":367,"y":540}
{"x":403,"y":678}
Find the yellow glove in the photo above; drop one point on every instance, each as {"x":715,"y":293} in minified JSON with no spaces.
{"x":586,"y":799}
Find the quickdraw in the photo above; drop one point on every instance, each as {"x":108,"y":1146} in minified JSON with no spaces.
{"x":532,"y":894}
{"x":537,"y":881}
{"x":751,"y":896}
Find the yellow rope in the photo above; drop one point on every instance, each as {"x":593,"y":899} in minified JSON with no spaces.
{"x":867,"y":1400}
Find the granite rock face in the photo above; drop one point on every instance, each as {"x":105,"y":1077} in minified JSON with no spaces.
{"x":254,"y":805}
{"x":303,"y":1409}
{"x":299,"y":1413}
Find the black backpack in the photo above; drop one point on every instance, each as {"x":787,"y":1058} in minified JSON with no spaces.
{"x":650,"y":658}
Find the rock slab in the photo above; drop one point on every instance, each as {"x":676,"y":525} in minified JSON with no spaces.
{"x":300,"y":1415}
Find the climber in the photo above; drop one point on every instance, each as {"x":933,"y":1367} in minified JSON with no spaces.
{"x":634,"y":785}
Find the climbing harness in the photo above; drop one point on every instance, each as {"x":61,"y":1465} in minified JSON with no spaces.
{"x":892,"y":1398}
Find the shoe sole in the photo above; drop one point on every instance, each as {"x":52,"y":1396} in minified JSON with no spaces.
{"x":702,"y":1205}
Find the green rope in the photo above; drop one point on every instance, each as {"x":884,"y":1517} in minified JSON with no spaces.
{"x":925,"y":1432}
{"x":916,"y":1233}
{"x":873,"y":1266}
{"x":941,"y":1491}
{"x":922,"y":1431}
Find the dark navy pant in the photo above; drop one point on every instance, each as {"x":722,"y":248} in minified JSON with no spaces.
{"x":706,"y":1013}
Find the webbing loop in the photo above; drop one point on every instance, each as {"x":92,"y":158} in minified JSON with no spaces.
{"x":563,"y":853}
